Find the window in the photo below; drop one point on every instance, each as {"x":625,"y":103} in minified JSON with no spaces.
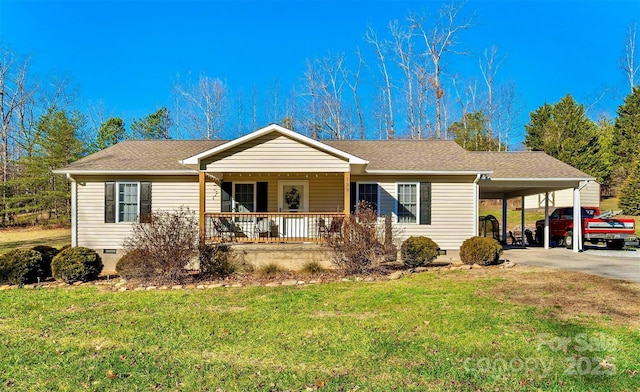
{"x":407,"y":203}
{"x":414,"y":203}
{"x":244,"y":197}
{"x":127,"y":201}
{"x":368,"y":193}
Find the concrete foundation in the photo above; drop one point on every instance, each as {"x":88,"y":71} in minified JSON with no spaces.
{"x":289,"y":256}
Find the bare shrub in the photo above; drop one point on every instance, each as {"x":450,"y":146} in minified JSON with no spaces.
{"x":362,"y":245}
{"x":168,"y":241}
{"x":270,"y":269}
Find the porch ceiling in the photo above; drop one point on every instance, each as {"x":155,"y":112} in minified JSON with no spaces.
{"x":510,"y":188}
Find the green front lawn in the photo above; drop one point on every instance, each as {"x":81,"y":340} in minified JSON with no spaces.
{"x":450,"y":330}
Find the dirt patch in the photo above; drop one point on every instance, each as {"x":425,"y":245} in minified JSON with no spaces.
{"x":568,"y":295}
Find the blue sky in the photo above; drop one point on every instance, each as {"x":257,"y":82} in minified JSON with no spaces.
{"x":127,"y":54}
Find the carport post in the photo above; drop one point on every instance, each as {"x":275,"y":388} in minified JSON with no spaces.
{"x":577,"y":221}
{"x":522,"y":221}
{"x":504,"y":220}
{"x":546,"y":220}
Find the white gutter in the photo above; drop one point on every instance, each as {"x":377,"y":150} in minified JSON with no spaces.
{"x":74,"y":210}
{"x":431,"y":172}
{"x":125,"y":172}
{"x":493,"y":179}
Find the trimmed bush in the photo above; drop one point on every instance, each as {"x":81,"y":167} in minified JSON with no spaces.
{"x":418,"y":251}
{"x":21,"y":266}
{"x":480,"y":250}
{"x":48,"y":253}
{"x":219,"y":260}
{"x":77,"y":264}
{"x":134,"y":265}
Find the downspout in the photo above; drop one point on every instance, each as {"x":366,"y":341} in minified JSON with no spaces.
{"x":74,"y":210}
{"x":476,"y":197}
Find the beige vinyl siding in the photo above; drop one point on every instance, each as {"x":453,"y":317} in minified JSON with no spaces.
{"x":452,"y":207}
{"x":275,"y":153}
{"x":325,"y":190}
{"x":168,"y":193}
{"x":589,"y":196}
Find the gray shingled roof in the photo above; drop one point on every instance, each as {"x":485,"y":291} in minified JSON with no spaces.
{"x":404,"y":155}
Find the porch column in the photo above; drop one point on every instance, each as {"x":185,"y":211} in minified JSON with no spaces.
{"x":577,"y":220}
{"x":522,"y":221}
{"x":202,"y":201}
{"x":347,"y":193}
{"x":546,"y":220}
{"x":504,"y":220}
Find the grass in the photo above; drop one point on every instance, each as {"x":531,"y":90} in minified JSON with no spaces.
{"x":453,"y":330}
{"x":32,"y":236}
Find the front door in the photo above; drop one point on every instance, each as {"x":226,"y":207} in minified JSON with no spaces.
{"x":293,"y":197}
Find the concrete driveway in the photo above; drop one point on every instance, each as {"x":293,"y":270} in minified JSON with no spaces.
{"x":618,"y":264}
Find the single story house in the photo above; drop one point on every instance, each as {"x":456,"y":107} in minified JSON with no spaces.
{"x":275,"y":185}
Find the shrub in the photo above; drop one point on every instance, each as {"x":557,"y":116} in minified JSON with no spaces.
{"x":270,"y":269}
{"x":219,"y":260}
{"x":480,"y":250}
{"x":20,"y":266}
{"x":48,"y":253}
{"x":313,"y":267}
{"x":418,"y":251}
{"x":361,"y":245}
{"x":170,"y":241}
{"x":134,"y":265}
{"x":77,"y":264}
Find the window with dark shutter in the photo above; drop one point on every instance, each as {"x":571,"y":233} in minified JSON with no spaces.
{"x":425,"y":203}
{"x":109,"y":202}
{"x":352,"y":197}
{"x":262,"y":201}
{"x":227,"y":189}
{"x":145,"y":201}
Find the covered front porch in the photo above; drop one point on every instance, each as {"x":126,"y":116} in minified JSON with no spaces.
{"x":258,"y":207}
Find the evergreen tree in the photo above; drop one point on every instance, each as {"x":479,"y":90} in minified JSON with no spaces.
{"x":111,"y":132}
{"x":56,"y":145}
{"x":629,"y":200}
{"x":471,"y":133}
{"x":626,"y":136}
{"x":154,"y":126}
{"x":563,"y":131}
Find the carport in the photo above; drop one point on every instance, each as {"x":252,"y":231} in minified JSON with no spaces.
{"x":520,"y":174}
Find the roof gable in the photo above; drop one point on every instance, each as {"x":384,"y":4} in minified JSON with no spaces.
{"x":194,"y":161}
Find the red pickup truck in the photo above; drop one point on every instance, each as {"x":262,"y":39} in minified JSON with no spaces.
{"x":596,"y":228}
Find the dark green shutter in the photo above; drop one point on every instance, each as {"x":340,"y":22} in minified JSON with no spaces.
{"x":109,"y":202}
{"x":145,"y":201}
{"x":227,"y":189}
{"x":352,"y":197}
{"x":425,"y":203}
{"x":262,"y":201}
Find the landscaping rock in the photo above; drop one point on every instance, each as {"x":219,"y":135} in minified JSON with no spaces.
{"x":369,"y":279}
{"x":163,"y":288}
{"x":200,"y":287}
{"x":139,"y":289}
{"x":476,"y":266}
{"x":151,"y":288}
{"x":396,"y":275}
{"x":214,"y":285}
{"x":289,"y":282}
{"x":176,"y":287}
{"x":421,"y":269}
{"x":236,"y":285}
{"x":300,"y":282}
{"x":123,"y":288}
{"x":272,"y":284}
{"x":5,"y":287}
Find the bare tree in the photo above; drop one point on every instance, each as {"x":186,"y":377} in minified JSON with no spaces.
{"x":489,"y":66}
{"x":440,"y":38}
{"x":629,"y":64}
{"x":403,"y":50}
{"x":203,"y":106}
{"x":353,"y":79}
{"x":372,"y":38}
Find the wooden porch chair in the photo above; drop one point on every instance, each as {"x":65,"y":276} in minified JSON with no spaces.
{"x":515,"y":239}
{"x":335,"y":227}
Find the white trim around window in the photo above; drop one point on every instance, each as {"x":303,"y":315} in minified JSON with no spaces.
{"x":121,"y":203}
{"x":417,"y":202}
